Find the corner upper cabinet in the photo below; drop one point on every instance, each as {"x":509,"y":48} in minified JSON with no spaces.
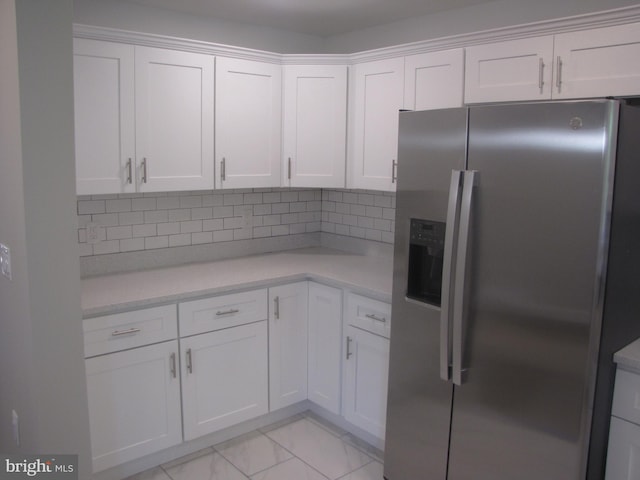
{"x":174,"y":119}
{"x":598,"y":62}
{"x":315,"y":125}
{"x":248,"y":123}
{"x":509,"y":71}
{"x":377,"y":96}
{"x":103,"y":76}
{"x":434,"y":80}
{"x":143,"y":118}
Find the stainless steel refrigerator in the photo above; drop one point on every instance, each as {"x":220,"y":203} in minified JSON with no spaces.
{"x":516,"y":273}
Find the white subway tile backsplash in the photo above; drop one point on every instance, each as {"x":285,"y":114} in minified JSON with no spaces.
{"x":144,"y":203}
{"x":158,"y":220}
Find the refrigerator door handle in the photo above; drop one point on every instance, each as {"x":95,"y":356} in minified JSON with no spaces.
{"x":460,"y":275}
{"x":447,"y":271}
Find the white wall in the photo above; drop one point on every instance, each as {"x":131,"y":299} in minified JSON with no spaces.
{"x":129,"y":16}
{"x":41,"y":351}
{"x":500,"y":13}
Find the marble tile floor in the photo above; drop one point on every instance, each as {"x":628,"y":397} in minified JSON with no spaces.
{"x":303,"y":447}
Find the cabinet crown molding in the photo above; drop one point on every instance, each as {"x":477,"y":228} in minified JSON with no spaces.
{"x":618,"y":16}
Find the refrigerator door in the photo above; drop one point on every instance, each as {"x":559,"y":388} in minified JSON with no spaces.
{"x":431,"y":145}
{"x":532,"y":297}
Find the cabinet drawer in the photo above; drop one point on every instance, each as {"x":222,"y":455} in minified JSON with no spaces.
{"x":122,"y":331}
{"x":371,"y":315}
{"x":209,"y":314}
{"x":626,"y":396}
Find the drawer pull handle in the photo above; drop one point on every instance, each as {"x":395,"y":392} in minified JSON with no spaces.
{"x":117,"y":333}
{"x":227,"y":312}
{"x":189,"y":361}
{"x":375,"y":317}
{"x":349,"y":352}
{"x":172,"y":359}
{"x":276,"y":312}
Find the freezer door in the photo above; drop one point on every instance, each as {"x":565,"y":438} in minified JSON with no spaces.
{"x":531,"y":311}
{"x":431,"y":145}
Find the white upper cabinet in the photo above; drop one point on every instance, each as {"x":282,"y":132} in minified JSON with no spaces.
{"x":315,"y":125}
{"x":597,"y":63}
{"x":376,"y":92}
{"x":103,"y":74}
{"x":143,"y":118}
{"x":434,"y":80}
{"x":174,"y":119}
{"x":509,"y":71}
{"x":248,"y":123}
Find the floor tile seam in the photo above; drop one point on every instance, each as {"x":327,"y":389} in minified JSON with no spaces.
{"x":371,"y":459}
{"x":213,"y":452}
{"x":324,"y":427}
{"x":353,"y":471}
{"x":371,"y":455}
{"x":255,"y":473}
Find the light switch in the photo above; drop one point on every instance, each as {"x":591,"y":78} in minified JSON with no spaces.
{"x":5,"y":261}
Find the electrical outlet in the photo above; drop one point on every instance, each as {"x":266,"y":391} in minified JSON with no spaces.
{"x":94,"y":232}
{"x":5,"y":261}
{"x":16,"y":427}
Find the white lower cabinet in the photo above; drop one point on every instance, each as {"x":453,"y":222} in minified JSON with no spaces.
{"x":366,"y":369}
{"x":366,"y":363}
{"x":237,"y":356}
{"x":134,"y":403}
{"x":623,"y":457}
{"x":325,"y":346}
{"x":224,"y":378}
{"x":288,"y":344}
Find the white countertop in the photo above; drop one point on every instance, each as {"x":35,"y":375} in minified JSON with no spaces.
{"x":368,"y":275}
{"x":629,"y":356}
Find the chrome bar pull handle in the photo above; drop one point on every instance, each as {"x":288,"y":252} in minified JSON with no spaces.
{"x":460,"y":276}
{"x":450,"y":236}
{"x":541,"y":76}
{"x":227,"y":312}
{"x":349,"y":352}
{"x":144,"y":170}
{"x":129,"y":172}
{"x":289,"y":169}
{"x":376,"y":318}
{"x":276,"y":308}
{"x":223,"y":169}
{"x":189,"y":361}
{"x":172,"y":361}
{"x":558,"y":73}
{"x":117,"y":333}
{"x":394,"y":169}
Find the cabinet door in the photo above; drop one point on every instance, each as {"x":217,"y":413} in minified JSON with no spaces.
{"x":624,"y":448}
{"x":287,"y":344}
{"x":134,"y":403}
{"x":104,"y":116}
{"x":248,"y":123}
{"x":508,"y":71}
{"x":598,"y":63}
{"x":224,"y":378}
{"x":315,"y":125}
{"x":174,"y":120}
{"x":325,"y":348}
{"x":434,"y":80}
{"x":366,"y":374}
{"x":377,"y":97}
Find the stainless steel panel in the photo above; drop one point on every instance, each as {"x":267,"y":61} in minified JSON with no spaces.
{"x":537,"y":223}
{"x":419,"y":403}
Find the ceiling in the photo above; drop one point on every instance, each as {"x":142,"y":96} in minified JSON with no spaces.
{"x":315,"y":17}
